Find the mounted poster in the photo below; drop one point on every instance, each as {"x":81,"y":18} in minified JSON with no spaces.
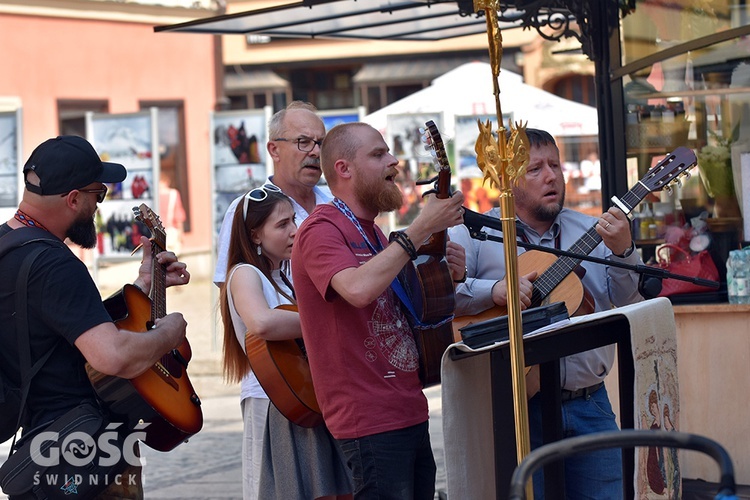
{"x":467,"y":131}
{"x":334,"y":117}
{"x":238,"y":155}
{"x":10,"y":162}
{"x":404,"y":137}
{"x":130,"y":139}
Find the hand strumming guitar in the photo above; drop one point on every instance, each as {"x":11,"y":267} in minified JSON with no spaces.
{"x":177,"y":273}
{"x":525,"y":287}
{"x":456,"y":257}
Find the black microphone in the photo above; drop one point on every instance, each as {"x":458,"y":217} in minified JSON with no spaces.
{"x":476,"y":221}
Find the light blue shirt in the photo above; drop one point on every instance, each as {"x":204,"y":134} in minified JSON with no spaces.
{"x":609,"y":286}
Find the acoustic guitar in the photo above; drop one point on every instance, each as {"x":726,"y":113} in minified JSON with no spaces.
{"x":163,"y":395}
{"x":557,"y":282}
{"x":428,"y":280}
{"x":283,"y":372}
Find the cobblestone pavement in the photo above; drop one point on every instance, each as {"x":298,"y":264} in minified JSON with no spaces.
{"x":208,"y":466}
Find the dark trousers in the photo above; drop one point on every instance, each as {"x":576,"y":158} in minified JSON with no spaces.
{"x":394,"y":465}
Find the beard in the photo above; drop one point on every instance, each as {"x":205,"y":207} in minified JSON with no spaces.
{"x":538,"y":210}
{"x":83,"y":232}
{"x":547,"y":212}
{"x":385,"y":197}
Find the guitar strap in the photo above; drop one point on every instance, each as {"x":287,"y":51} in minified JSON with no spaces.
{"x":396,"y":285}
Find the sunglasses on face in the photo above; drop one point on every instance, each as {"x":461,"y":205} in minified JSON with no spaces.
{"x":100,"y":193}
{"x":258,"y":194}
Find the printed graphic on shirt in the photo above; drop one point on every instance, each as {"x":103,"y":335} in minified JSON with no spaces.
{"x":390,"y":336}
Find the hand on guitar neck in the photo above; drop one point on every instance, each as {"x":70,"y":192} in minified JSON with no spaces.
{"x":177,"y":273}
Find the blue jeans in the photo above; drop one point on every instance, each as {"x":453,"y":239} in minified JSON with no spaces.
{"x":595,"y":475}
{"x":394,"y":465}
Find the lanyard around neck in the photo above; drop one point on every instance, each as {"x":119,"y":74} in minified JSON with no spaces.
{"x":344,"y":209}
{"x":398,"y":288}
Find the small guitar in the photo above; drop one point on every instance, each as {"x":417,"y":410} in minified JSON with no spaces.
{"x":282,"y":370}
{"x":163,"y":396}
{"x":428,"y":280}
{"x":557,"y":282}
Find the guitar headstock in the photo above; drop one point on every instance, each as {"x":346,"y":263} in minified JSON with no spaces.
{"x":152,"y":221}
{"x":434,"y":143}
{"x":668,"y":170}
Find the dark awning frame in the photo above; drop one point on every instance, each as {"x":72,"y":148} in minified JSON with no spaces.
{"x":411,"y":20}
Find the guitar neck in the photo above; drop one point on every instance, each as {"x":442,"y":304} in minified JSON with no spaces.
{"x":158,"y":284}
{"x":553,"y":276}
{"x":435,"y":244}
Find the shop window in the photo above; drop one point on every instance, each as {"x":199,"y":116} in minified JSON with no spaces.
{"x":172,"y":151}
{"x":71,"y":114}
{"x":686,"y":82}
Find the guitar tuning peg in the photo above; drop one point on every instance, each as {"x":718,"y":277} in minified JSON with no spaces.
{"x":687,"y":175}
{"x":668,"y":189}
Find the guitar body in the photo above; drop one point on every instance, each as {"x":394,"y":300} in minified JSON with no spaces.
{"x":432,"y":287}
{"x":163,"y":395}
{"x":284,"y":373}
{"x":570,"y":290}
{"x":433,"y":299}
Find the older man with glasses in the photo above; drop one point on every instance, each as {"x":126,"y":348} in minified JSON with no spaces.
{"x":296,"y":132}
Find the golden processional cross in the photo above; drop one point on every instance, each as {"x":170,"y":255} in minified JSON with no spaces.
{"x":503,"y":162}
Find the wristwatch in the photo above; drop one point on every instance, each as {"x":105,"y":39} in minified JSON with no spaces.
{"x":627,"y":252}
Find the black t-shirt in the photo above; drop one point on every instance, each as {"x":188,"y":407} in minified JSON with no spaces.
{"x":63,"y":303}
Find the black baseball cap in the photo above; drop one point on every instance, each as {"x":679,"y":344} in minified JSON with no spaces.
{"x":69,"y":162}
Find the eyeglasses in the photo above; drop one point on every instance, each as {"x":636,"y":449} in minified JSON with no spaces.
{"x":304,"y":144}
{"x":258,"y":194}
{"x":100,"y":193}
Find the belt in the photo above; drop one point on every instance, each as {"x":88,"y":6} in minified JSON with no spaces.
{"x":580,"y":393}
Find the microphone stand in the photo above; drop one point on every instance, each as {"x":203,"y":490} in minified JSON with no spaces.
{"x":649,"y":283}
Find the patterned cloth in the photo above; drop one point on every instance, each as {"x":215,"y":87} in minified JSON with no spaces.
{"x":467,"y":396}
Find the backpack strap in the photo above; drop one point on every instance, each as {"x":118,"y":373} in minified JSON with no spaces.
{"x":22,"y":331}
{"x":16,"y":238}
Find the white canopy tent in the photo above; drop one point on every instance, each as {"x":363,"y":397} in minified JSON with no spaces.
{"x":468,"y":90}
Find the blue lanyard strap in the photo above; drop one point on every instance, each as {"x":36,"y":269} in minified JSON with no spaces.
{"x":398,"y":288}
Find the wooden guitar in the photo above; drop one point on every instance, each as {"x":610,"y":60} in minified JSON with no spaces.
{"x":282,"y":370}
{"x":428,"y":280}
{"x":162,"y":396}
{"x":557,"y":281}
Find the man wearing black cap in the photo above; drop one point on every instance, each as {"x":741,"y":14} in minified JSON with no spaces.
{"x":65,"y":180}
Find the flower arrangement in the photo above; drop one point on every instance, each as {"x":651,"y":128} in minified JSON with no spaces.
{"x":715,"y":165}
